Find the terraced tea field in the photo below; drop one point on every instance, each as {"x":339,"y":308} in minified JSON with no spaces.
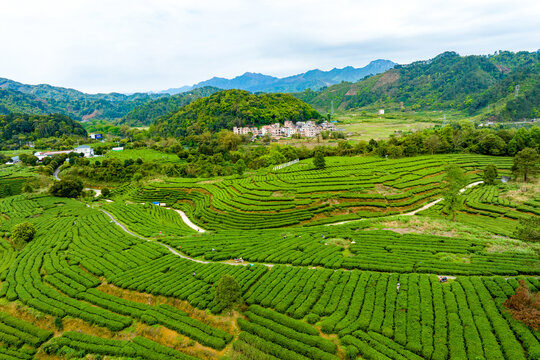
{"x":347,"y":189}
{"x":85,"y":288}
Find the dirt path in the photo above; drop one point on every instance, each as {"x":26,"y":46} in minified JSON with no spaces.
{"x":55,"y":174}
{"x":187,"y":221}
{"x":427,"y":206}
{"x":172,"y":250}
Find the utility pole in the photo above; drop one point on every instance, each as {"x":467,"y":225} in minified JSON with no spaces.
{"x":516,"y":93}
{"x":332,"y":108}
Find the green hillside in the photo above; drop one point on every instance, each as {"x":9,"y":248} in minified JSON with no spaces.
{"x":33,"y":127}
{"x":146,"y":113}
{"x":446,"y":81}
{"x":47,"y":99}
{"x":226,"y":109}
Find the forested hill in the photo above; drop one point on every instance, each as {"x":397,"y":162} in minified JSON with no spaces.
{"x":14,"y":127}
{"x":446,"y":81}
{"x":145,"y":114}
{"x":229,"y":108}
{"x":47,"y":99}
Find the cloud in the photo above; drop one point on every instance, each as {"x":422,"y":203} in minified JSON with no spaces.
{"x":139,"y":45}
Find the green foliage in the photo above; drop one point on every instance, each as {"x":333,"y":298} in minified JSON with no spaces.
{"x":529,"y":229}
{"x":228,"y":293}
{"x":226,"y":109}
{"x":22,"y":234}
{"x":318,"y":160}
{"x":526,"y":163}
{"x":454,"y":180}
{"x":446,"y":81}
{"x":490,"y":174}
{"x":66,"y":188}
{"x":20,"y":128}
{"x":45,"y":99}
{"x":240,"y":167}
{"x":145,"y":114}
{"x":106,"y":192}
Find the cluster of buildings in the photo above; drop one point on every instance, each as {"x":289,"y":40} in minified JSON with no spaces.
{"x":304,"y":128}
{"x":84,"y":149}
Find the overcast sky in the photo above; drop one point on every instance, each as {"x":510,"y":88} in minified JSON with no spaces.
{"x":136,"y":45}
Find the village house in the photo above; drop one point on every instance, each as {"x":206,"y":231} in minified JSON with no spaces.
{"x":306,"y":129}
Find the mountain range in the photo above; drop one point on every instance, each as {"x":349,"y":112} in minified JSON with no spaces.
{"x":312,"y":79}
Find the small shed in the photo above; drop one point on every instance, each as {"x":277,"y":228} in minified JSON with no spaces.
{"x":505,"y":179}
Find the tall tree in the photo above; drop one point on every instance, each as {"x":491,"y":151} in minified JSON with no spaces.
{"x":228,"y":293}
{"x":526,"y":163}
{"x":454,"y":180}
{"x":490,"y":174}
{"x":318,"y":160}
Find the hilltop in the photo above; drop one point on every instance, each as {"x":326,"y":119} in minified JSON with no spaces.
{"x":23,"y":127}
{"x":312,"y":79}
{"x":446,"y":81}
{"x":145,"y":114}
{"x":229,"y":108}
{"x":47,"y":99}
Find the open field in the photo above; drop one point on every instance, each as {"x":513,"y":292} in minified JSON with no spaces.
{"x":146,"y":155}
{"x":367,"y":124}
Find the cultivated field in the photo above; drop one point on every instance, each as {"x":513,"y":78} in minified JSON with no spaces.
{"x":335,"y":267}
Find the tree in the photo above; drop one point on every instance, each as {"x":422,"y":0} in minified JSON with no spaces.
{"x":528,"y":229}
{"x":105,"y":192}
{"x":66,"y":188}
{"x":22,"y":234}
{"x":318,"y":160}
{"x":454,"y":180}
{"x":228,"y":293}
{"x":432,"y":143}
{"x":526,"y":163}
{"x":524,"y":306}
{"x":240,"y":167}
{"x":490,"y":174}
{"x":27,"y":188}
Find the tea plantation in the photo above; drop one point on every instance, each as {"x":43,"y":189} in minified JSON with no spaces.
{"x":322,"y":272}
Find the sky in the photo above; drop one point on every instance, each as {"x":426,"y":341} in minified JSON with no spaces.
{"x":141,"y":45}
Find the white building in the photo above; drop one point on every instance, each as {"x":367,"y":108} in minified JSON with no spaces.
{"x":381,"y":111}
{"x":84,"y":149}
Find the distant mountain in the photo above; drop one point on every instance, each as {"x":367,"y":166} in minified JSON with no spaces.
{"x":229,"y":108}
{"x":313,"y":79}
{"x":146,"y":113}
{"x":446,"y":81}
{"x":47,"y":99}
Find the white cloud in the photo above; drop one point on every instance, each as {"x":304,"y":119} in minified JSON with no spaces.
{"x":119,"y":45}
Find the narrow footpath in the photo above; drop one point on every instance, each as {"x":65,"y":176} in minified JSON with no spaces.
{"x":171,"y":249}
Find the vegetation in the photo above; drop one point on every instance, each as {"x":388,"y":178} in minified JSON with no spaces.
{"x":226,"y":109}
{"x":66,"y":188}
{"x":525,"y":306}
{"x":490,"y":174}
{"x":526,"y":162}
{"x":318,"y":160}
{"x":145,"y":114}
{"x":471,"y":83}
{"x":454,"y":180}
{"x":22,"y":234}
{"x":45,"y":99}
{"x":228,"y":293}
{"x":19,"y":129}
